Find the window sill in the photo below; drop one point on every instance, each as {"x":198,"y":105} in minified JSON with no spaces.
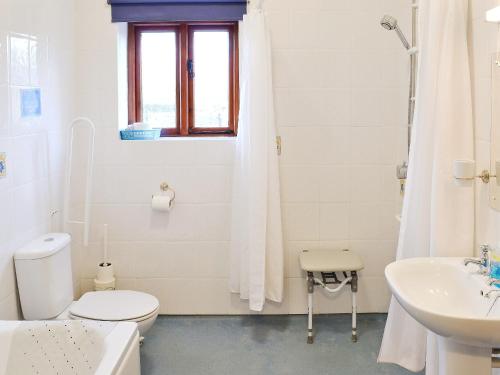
{"x":198,"y":138}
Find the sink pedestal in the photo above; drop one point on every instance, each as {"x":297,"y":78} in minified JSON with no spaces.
{"x":460,"y":359}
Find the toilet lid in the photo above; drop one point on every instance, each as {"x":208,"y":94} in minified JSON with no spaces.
{"x":114,"y":305}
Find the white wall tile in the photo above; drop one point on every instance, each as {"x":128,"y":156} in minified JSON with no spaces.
{"x":320,"y":107}
{"x":334,"y":30}
{"x":19,"y":60}
{"x":4,"y":109}
{"x":373,"y":145}
{"x":7,"y":276}
{"x":395,"y":106}
{"x":31,"y":208}
{"x":304,"y":29}
{"x":482,"y":108}
{"x":294,"y":68}
{"x":334,"y":221}
{"x":299,"y":184}
{"x":29,"y":159}
{"x":373,"y":183}
{"x":4,"y":62}
{"x":367,"y":107}
{"x":300,"y":146}
{"x":278,"y":22}
{"x":334,"y":145}
{"x":334,"y":68}
{"x":301,"y":221}
{"x":373,"y":221}
{"x":334,"y":183}
{"x":9,"y":308}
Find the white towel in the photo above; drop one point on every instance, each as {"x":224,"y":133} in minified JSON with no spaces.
{"x":58,"y":347}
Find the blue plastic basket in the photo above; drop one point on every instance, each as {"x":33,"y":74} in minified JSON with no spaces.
{"x":140,"y":135}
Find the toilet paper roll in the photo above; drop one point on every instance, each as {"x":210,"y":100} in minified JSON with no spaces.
{"x":162,"y":203}
{"x":464,"y":169}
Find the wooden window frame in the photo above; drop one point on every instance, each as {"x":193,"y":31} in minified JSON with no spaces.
{"x":185,"y":124}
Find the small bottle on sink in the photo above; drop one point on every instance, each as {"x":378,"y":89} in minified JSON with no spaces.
{"x":495,"y":265}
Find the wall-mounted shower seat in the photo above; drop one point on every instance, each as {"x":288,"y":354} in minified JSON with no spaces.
{"x":330,"y":264}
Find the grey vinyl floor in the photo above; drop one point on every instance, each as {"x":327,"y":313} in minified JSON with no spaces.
{"x":261,"y":345}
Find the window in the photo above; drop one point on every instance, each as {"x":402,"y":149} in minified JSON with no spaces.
{"x":183,"y":77}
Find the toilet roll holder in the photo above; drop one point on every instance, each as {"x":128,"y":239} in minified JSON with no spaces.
{"x":485,"y":176}
{"x":165,"y":188}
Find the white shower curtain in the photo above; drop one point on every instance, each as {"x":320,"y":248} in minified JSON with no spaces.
{"x":438,"y":215}
{"x":257,"y":263}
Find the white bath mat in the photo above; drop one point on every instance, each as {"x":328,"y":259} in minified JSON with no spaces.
{"x":58,"y":347}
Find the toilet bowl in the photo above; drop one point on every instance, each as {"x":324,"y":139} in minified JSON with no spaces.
{"x":45,"y":282}
{"x":115,"y":306}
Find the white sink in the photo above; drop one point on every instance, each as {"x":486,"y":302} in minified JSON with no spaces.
{"x":446,"y":297}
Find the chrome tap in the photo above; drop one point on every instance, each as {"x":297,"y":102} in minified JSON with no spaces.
{"x":483,"y":262}
{"x":488,"y":293}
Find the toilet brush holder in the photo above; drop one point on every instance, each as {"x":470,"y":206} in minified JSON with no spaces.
{"x":105,"y":279}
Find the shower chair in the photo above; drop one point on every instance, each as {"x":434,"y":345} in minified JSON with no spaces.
{"x":329,"y":263}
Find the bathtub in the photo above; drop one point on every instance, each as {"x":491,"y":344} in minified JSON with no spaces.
{"x":121,"y":349}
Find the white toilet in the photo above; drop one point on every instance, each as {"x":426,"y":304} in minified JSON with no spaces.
{"x":45,"y":281}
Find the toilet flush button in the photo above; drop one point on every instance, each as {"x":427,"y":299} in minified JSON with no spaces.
{"x":50,"y":239}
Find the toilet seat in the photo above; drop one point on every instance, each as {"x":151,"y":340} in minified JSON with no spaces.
{"x":115,"y":305}
{"x":153,"y":314}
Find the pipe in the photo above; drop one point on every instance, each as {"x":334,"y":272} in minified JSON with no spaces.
{"x":413,"y":70}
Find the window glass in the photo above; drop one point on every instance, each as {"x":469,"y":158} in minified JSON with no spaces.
{"x":211,"y":80}
{"x":183,"y":78}
{"x":159,"y":79}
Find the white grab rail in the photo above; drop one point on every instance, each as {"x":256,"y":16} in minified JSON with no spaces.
{"x":90,"y":173}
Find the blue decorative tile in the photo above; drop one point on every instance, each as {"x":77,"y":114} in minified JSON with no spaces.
{"x":31,"y":104}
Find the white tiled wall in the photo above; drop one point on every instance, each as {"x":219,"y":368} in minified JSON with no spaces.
{"x":483,"y":40}
{"x":341,"y":102}
{"x":341,"y":98}
{"x":35,"y":52}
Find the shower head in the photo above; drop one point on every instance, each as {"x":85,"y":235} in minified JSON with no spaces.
{"x":391,"y":23}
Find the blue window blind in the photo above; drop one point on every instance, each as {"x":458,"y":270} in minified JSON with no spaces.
{"x":177,"y":10}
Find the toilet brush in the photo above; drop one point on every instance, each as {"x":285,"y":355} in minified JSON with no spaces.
{"x":105,"y":279}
